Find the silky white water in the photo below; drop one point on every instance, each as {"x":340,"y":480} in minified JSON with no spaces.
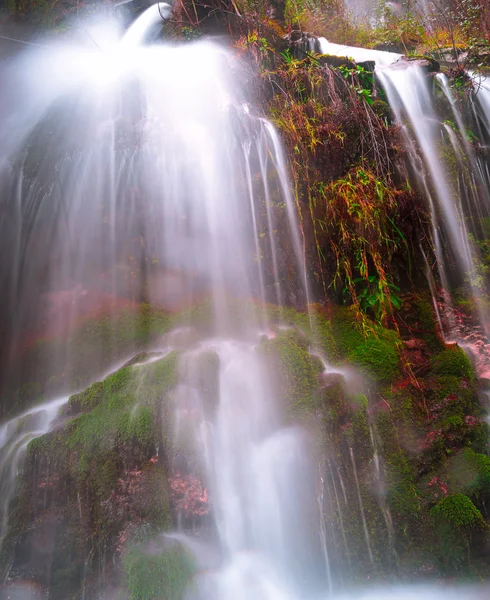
{"x":137,"y":172}
{"x":15,"y":436}
{"x":379,"y":57}
{"x":259,"y":476}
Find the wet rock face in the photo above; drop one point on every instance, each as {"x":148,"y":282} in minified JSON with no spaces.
{"x":98,"y":491}
{"x":330,"y":380}
{"x":301,"y":44}
{"x":21,"y":590}
{"x":94,"y":482}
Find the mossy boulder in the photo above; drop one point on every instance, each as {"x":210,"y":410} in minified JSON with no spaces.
{"x":452,"y":361}
{"x":468,"y":472}
{"x":296,"y":372}
{"x":121,"y":410}
{"x":371,"y":347}
{"x":457,"y":511}
{"x":99,"y":475}
{"x":156,"y":574}
{"x":457,"y":524}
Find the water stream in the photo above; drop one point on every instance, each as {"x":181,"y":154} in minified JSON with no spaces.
{"x":456,"y":194}
{"x":144,"y":176}
{"x":15,"y":435}
{"x":250,"y":460}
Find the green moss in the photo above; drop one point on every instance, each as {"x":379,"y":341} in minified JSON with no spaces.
{"x":335,"y":401}
{"x":106,"y":474}
{"x":402,"y":493}
{"x":164,"y":372}
{"x":358,"y":435}
{"x":52,"y":447}
{"x":127,"y":411}
{"x":370,"y":347}
{"x":347,"y":330}
{"x":452,"y":361}
{"x":117,"y":381}
{"x":445,"y":386}
{"x":478,"y":437}
{"x":296,"y":370}
{"x":458,"y":511}
{"x":315,"y":325}
{"x":162,"y":576}
{"x":378,"y":357}
{"x":451,"y":400}
{"x":423,"y":310}
{"x":321,"y":332}
{"x":88,"y":399}
{"x":469,"y":473}
{"x":137,"y":425}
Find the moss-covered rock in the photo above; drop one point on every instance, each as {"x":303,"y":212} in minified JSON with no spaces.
{"x":468,"y":472}
{"x":458,"y":511}
{"x":123,"y":411}
{"x":370,"y":347}
{"x":296,"y":372}
{"x":456,"y":522}
{"x":102,"y":473}
{"x":158,"y":575}
{"x":402,"y":492}
{"x":452,"y":361}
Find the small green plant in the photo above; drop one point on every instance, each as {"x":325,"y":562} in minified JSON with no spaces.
{"x":288,"y":57}
{"x":361,"y":79}
{"x":374,"y":295}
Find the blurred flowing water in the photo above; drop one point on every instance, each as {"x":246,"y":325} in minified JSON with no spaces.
{"x":137,"y":171}
{"x":15,"y":436}
{"x":449,"y":171}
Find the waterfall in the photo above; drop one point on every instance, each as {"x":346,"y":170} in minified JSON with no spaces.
{"x":15,"y":436}
{"x":380,"y":57}
{"x":458,"y":199}
{"x":137,"y":174}
{"x":146,"y":177}
{"x":249,"y":462}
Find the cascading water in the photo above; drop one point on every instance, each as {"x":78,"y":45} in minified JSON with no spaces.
{"x":380,"y":57}
{"x":409,"y":96}
{"x":458,"y":200}
{"x":140,"y":174}
{"x":268,"y":538}
{"x":146,"y":172}
{"x":15,"y":436}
